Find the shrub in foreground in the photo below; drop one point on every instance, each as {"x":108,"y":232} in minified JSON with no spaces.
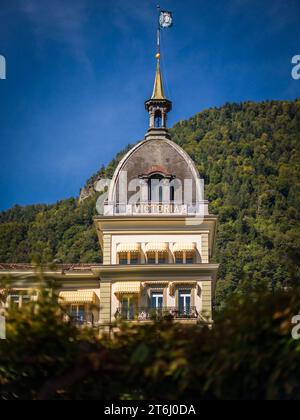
{"x":249,"y":354}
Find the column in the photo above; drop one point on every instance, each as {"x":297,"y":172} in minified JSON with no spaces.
{"x":105,"y":302}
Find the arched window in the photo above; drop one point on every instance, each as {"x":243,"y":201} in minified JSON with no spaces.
{"x":156,"y":189}
{"x":157,"y":119}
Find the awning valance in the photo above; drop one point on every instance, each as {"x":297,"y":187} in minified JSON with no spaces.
{"x":155,"y":283}
{"x":128,"y":248}
{"x":184,"y":247}
{"x":183,"y":284}
{"x":157,"y":247}
{"x":130,"y":287}
{"x":78,"y":297}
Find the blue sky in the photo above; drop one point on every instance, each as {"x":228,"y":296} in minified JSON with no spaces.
{"x":79,"y":71}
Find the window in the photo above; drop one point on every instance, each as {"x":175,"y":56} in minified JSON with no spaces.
{"x":158,"y":119}
{"x":179,"y":258}
{"x":162,"y":258}
{"x":128,"y":308}
{"x":185,"y":298}
{"x":190,"y":258}
{"x":78,"y":312}
{"x":155,"y":190}
{"x":185,"y":257}
{"x":157,"y":300}
{"x":151,"y":258}
{"x":157,"y":257}
{"x":129,"y":258}
{"x":172,"y":194}
{"x":134,"y":258}
{"x":123,"y":259}
{"x":19,"y":300}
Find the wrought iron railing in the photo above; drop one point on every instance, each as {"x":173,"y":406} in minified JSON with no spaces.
{"x":155,"y":314}
{"x":81,"y":320}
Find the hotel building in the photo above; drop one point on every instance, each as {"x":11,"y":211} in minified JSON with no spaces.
{"x":157,"y":239}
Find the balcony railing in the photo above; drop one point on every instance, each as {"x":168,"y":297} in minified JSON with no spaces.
{"x":156,"y":314}
{"x":81,"y":320}
{"x":154,"y":208}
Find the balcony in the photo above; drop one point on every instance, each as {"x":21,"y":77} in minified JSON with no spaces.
{"x":85,"y":319}
{"x":156,"y":314}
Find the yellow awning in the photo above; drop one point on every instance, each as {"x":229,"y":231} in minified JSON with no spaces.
{"x":182,"y":283}
{"x":128,"y":248}
{"x":183,"y":246}
{"x":131,"y":287}
{"x":155,"y":283}
{"x":157,"y":247}
{"x":78,"y":297}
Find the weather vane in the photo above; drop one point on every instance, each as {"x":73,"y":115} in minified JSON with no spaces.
{"x":165,"y":20}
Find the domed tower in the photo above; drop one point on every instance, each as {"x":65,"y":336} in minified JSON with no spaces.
{"x":156,"y":234}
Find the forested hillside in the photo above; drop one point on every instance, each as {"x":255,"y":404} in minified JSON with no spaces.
{"x":249,"y":156}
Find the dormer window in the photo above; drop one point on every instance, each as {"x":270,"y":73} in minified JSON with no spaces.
{"x":155,"y":188}
{"x":159,"y":181}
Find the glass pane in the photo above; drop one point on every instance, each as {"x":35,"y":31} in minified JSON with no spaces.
{"x":128,"y":308}
{"x":134,"y":260}
{"x":184,"y":301}
{"x":81,"y":312}
{"x":162,"y":258}
{"x":190,"y":258}
{"x":151,"y":258}
{"x":179,"y":258}
{"x":157,"y":300}
{"x":123,"y":259}
{"x":73,"y":310}
{"x":160,"y":199}
{"x":172,"y":194}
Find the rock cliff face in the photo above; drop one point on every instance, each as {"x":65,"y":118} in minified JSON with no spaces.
{"x":87,"y":191}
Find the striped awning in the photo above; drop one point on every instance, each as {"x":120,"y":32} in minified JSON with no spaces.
{"x":184,"y":246}
{"x":78,"y":297}
{"x":155,"y":283}
{"x":130,"y":287}
{"x":157,"y":247}
{"x":128,"y":248}
{"x":183,"y":284}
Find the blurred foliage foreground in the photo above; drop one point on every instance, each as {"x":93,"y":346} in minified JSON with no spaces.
{"x":249,"y":354}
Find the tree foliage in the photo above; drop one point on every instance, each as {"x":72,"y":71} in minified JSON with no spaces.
{"x":248,"y":355}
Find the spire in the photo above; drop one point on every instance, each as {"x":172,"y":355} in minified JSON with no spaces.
{"x":159,"y":106}
{"x":158,"y":90}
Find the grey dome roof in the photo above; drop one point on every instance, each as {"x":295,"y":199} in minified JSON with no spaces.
{"x":154,"y":156}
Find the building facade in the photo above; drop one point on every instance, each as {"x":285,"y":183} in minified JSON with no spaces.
{"x":157,"y":239}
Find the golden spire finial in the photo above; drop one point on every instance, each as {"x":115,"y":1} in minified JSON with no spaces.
{"x":158,"y":90}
